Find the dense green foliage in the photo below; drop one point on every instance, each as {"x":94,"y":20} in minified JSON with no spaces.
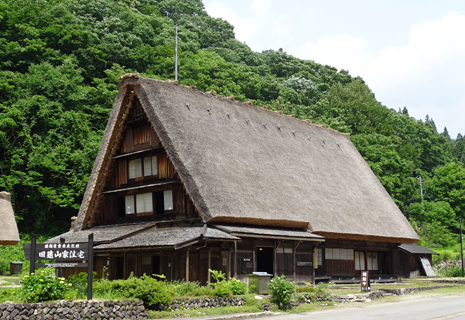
{"x":58,"y":69}
{"x":43,"y":285}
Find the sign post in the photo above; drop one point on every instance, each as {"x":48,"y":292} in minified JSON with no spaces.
{"x":66,"y":255}
{"x":365,"y":281}
{"x":90,"y":266}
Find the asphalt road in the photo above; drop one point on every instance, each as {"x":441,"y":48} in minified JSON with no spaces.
{"x":434,"y":308}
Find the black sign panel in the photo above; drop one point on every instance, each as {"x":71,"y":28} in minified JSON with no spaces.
{"x":62,"y":251}
{"x":58,"y":251}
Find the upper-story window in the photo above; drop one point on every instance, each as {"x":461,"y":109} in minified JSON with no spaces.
{"x":149,"y":203}
{"x":145,"y":167}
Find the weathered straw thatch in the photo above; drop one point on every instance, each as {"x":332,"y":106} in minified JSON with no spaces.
{"x":9,"y":234}
{"x":245,"y":164}
{"x":173,"y":238}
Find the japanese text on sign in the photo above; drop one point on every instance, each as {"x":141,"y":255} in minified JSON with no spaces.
{"x":58,"y":251}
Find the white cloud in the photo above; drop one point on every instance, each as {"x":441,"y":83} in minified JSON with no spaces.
{"x":427,"y":74}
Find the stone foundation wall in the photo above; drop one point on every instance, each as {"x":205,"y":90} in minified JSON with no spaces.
{"x":179,"y":304}
{"x":403,"y":291}
{"x":113,"y":310}
{"x":367,"y":297}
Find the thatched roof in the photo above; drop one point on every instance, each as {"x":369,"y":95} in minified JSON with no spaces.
{"x":168,"y":238}
{"x":244,"y":164}
{"x":416,"y":248}
{"x":9,"y":234}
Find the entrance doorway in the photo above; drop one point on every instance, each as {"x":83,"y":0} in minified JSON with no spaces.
{"x":265,"y":259}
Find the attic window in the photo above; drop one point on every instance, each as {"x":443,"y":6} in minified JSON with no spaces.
{"x":149,"y":203}
{"x":142,"y":168}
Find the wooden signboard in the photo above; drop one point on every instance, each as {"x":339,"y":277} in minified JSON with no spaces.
{"x":66,"y":255}
{"x":365,"y":281}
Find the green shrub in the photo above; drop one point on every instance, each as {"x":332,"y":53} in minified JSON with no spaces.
{"x":220,"y":286}
{"x":185,"y":289}
{"x":151,"y":291}
{"x":223,"y":288}
{"x":454,"y":272}
{"x":281,"y":291}
{"x":43,"y":285}
{"x":237,"y":287}
{"x":79,"y":283}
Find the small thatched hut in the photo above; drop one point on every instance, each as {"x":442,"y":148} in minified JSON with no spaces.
{"x":9,"y":231}
{"x":185,"y":181}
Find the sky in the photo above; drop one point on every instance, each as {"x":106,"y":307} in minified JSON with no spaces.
{"x":410,"y":53}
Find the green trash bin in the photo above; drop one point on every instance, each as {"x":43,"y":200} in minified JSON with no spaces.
{"x":259,"y":281}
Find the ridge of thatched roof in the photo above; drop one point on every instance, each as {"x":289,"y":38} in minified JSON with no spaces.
{"x":9,"y":234}
{"x":245,"y":164}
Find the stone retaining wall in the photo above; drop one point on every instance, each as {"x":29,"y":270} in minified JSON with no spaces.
{"x":403,"y":291}
{"x":113,"y":310}
{"x":367,"y":297}
{"x":179,"y":304}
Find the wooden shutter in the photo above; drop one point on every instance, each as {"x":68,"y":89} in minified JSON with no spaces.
{"x":122,"y":172}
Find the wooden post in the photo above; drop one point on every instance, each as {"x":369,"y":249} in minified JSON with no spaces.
{"x":235,"y":259}
{"x":209,"y":264}
{"x":275,"y":263}
{"x":294,"y":260}
{"x":90,"y":266}
{"x":61,"y":271}
{"x":32,"y":267}
{"x":229,"y":262}
{"x":254,"y":251}
{"x":313,"y":264}
{"x":187,"y":265}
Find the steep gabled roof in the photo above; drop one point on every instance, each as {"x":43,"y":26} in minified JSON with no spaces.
{"x":9,"y":231}
{"x":244,"y":164}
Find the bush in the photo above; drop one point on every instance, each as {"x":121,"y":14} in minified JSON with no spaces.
{"x":225,"y":288}
{"x":151,"y":291}
{"x":237,"y":287}
{"x":454,"y":272}
{"x":79,"y":283}
{"x":281,"y":291}
{"x":43,"y":285}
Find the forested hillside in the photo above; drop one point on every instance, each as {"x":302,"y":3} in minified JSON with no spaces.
{"x":59,"y":63}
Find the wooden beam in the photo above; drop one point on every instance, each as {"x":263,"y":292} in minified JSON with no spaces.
{"x":294,"y":260}
{"x":229,"y":262}
{"x":187,"y":265}
{"x":209,"y":264}
{"x":235,"y":259}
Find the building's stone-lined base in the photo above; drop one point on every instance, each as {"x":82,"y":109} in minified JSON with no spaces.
{"x":179,"y":304}
{"x":113,"y":310}
{"x":367,"y":297}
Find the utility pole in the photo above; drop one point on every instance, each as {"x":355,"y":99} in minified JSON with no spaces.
{"x":176,"y":52}
{"x":421,"y":188}
{"x":461,"y":240}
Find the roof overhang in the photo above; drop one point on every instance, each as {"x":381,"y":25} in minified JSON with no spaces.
{"x":416,"y":249}
{"x":270,"y":233}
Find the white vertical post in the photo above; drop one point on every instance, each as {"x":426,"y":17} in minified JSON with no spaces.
{"x":176,"y":53}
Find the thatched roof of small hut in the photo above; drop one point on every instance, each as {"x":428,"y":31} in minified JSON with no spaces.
{"x":247,"y":165}
{"x":9,"y":234}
